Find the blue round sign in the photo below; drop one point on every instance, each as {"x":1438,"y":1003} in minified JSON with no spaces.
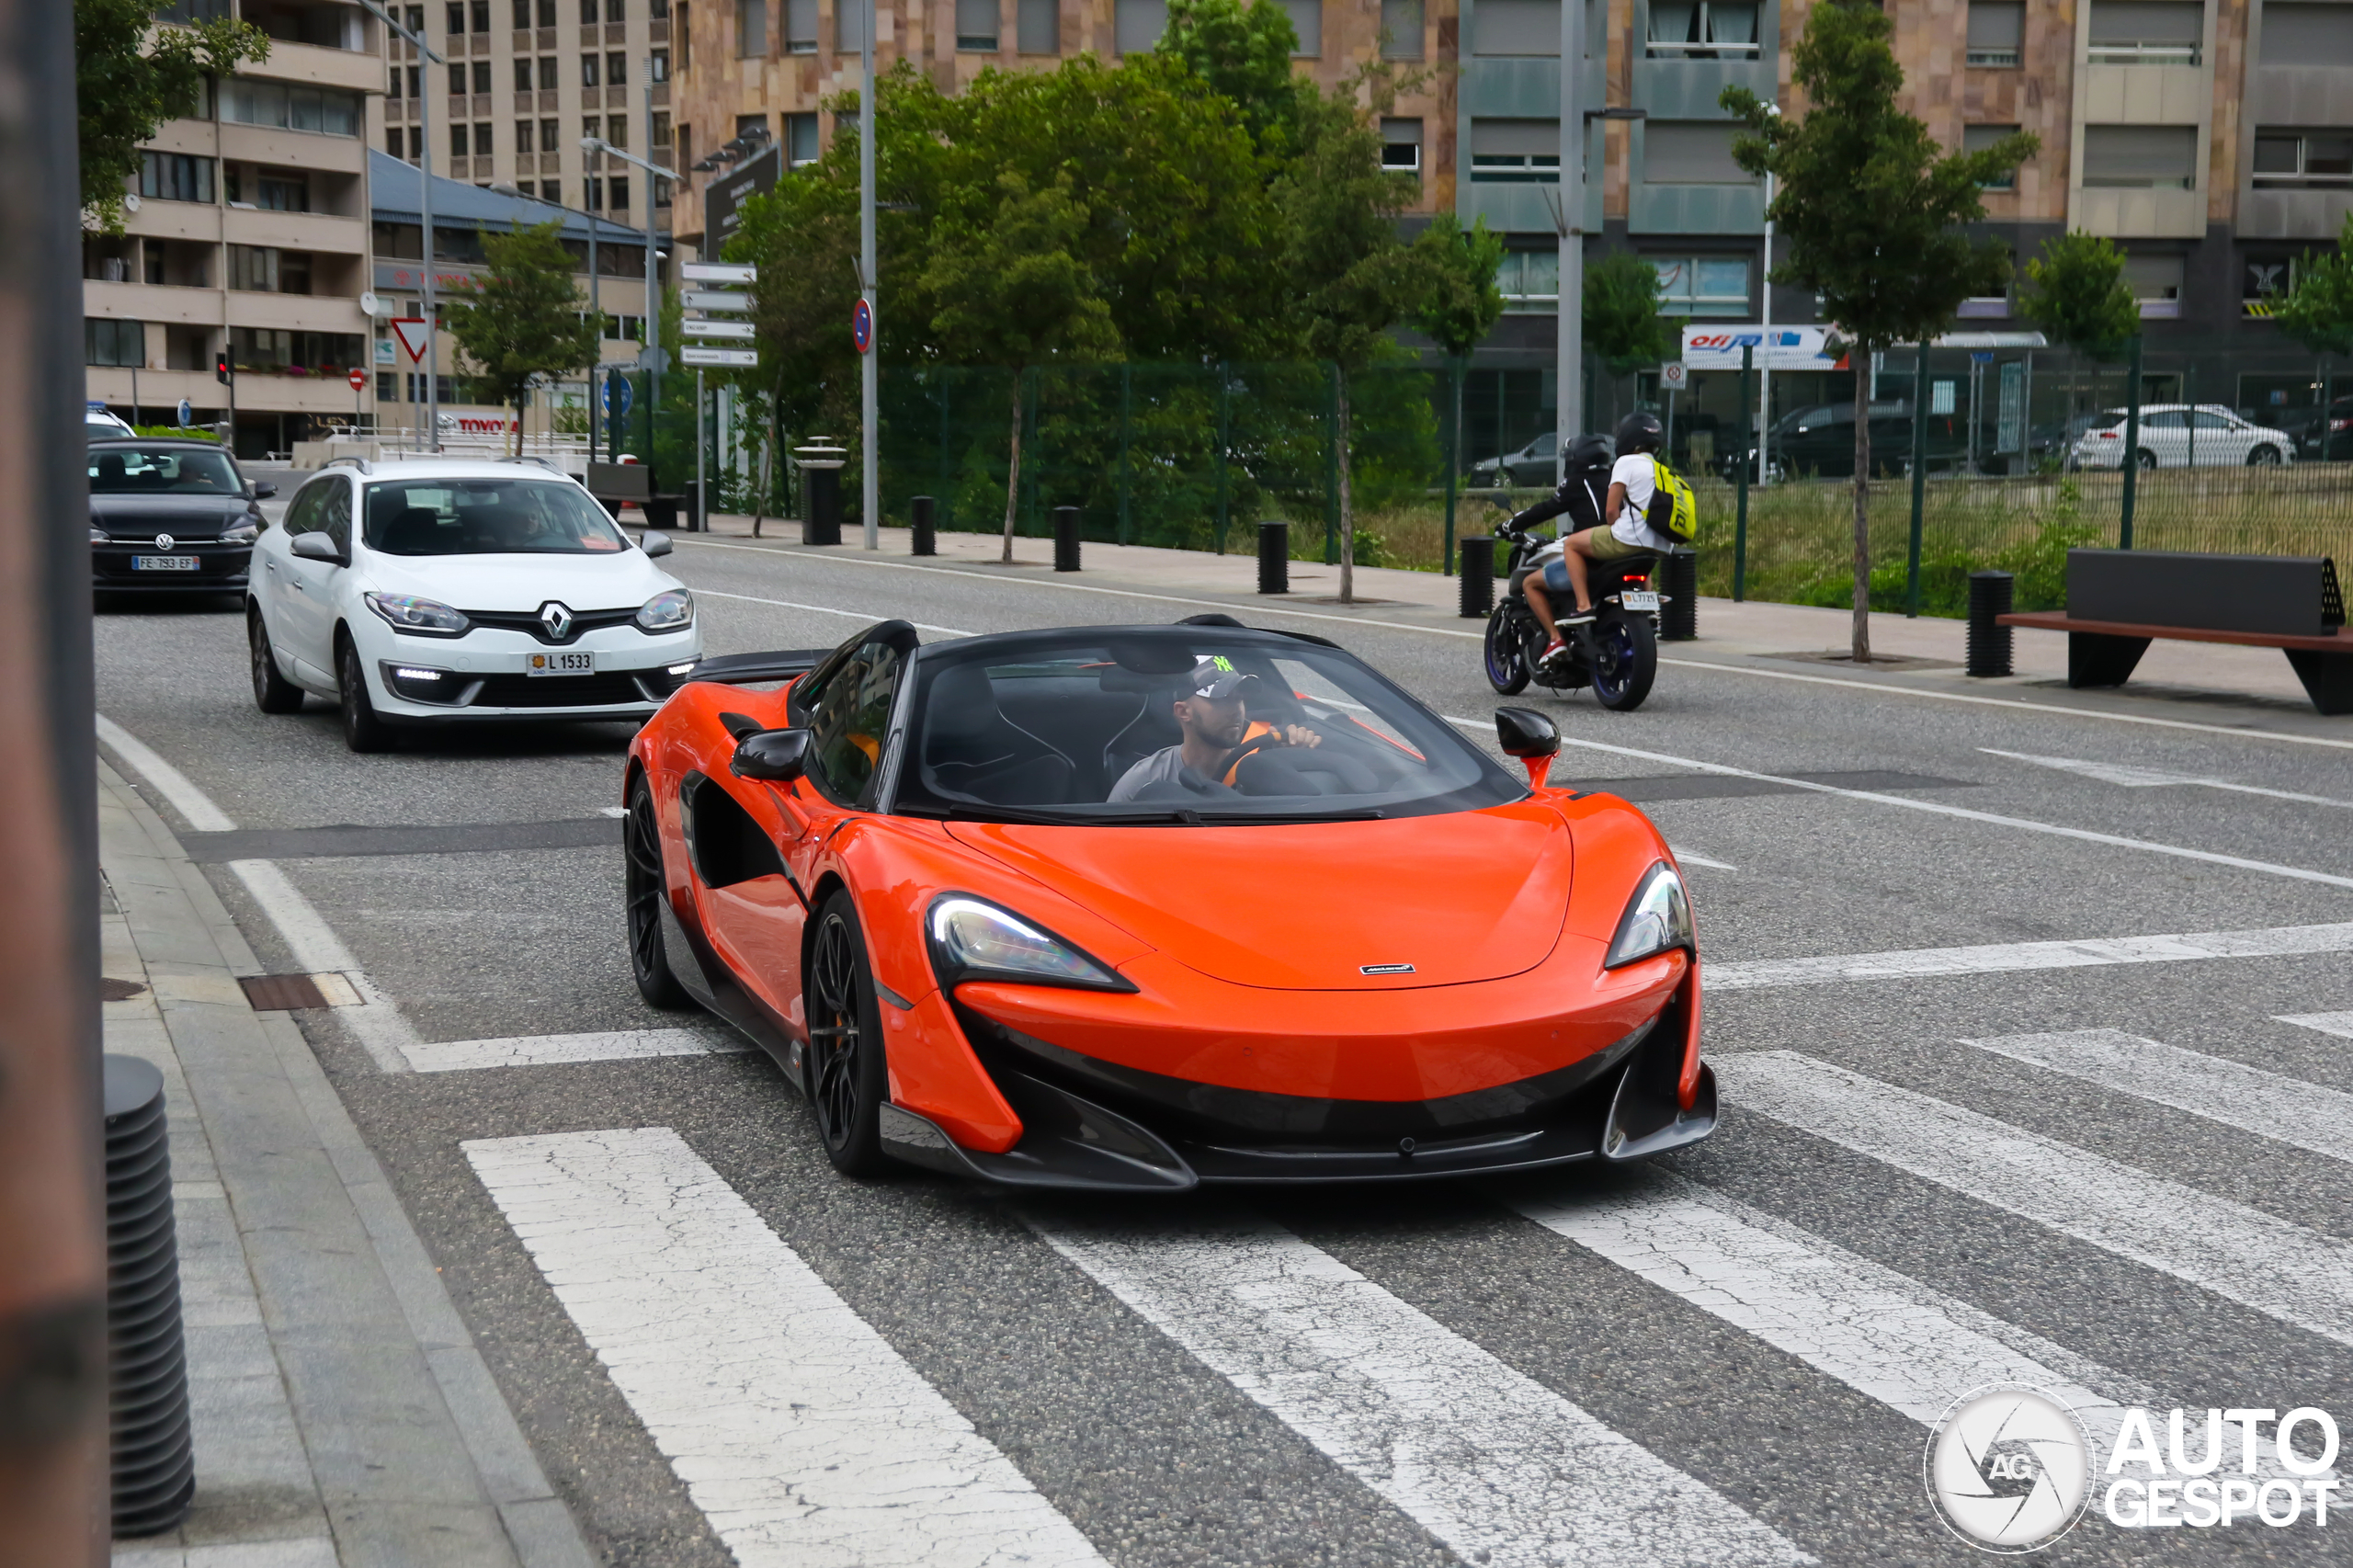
{"x":618,"y":397}
{"x":861,"y":325}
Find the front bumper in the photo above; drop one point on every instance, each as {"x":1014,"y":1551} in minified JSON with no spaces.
{"x":221,"y":568}
{"x":483,"y":675}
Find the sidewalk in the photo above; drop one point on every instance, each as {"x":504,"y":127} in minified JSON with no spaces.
{"x":1798,"y":633}
{"x":341,"y":1415}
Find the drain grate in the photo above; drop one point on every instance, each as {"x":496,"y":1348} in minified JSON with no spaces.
{"x":280,"y":993}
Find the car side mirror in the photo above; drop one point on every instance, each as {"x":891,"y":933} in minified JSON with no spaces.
{"x":1530,"y":736}
{"x":263,"y":491}
{"x":316,"y":545}
{"x":773,"y":756}
{"x":654,"y":543}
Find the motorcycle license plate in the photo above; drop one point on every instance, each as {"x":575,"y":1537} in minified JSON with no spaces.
{"x":575,"y":662}
{"x":1639,"y":601}
{"x":163,"y":563}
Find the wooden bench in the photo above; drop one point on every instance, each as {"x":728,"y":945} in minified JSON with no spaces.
{"x":2120,"y":601}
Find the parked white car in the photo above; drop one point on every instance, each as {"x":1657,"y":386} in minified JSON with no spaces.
{"x":2178,"y":434}
{"x":446,"y":591}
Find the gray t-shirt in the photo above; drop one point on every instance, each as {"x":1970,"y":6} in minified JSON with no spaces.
{"x":1162,"y":767}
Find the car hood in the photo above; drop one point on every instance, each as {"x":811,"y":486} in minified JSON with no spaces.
{"x":522,"y":583}
{"x":1464,"y":896}
{"x":195,"y":515}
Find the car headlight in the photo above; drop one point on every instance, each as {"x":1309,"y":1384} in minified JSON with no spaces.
{"x":423,"y":617}
{"x":99,"y":535}
{"x":973,"y":941}
{"x":241,"y":533}
{"x":670,"y":611}
{"x":1657,"y":918}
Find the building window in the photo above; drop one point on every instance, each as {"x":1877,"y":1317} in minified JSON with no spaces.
{"x":2309,"y":33}
{"x":587,"y":13}
{"x":522,"y":15}
{"x":523,"y":74}
{"x":659,"y":10}
{"x":1690,"y":152}
{"x":1977,"y":138}
{"x":1136,"y":25}
{"x":457,"y":80}
{"x":281,"y":194}
{"x":1515,"y":151}
{"x":524,"y":138}
{"x":849,"y":26}
{"x":550,"y":136}
{"x":2148,"y":32}
{"x":395,"y":141}
{"x":800,"y":27}
{"x":660,"y":132}
{"x":2141,"y":157}
{"x":615,"y":69}
{"x":2156,"y":282}
{"x":265,"y":269}
{"x":460,"y":145}
{"x":976,"y":23}
{"x":1702,"y":285}
{"x":799,"y":139}
{"x":616,"y":11}
{"x":657,"y":66}
{"x":593,"y":125}
{"x":1530,"y":279}
{"x":1307,"y":21}
{"x":392,"y":87}
{"x":1401,"y":29}
{"x":174,"y":176}
{"x":285,"y":107}
{"x":1401,"y":145}
{"x":549,"y":65}
{"x":1707,"y":30}
{"x":591,"y":73}
{"x":617,"y":187}
{"x":482,"y":76}
{"x":480,"y":10}
{"x":592,"y":193}
{"x":482,"y":140}
{"x":456,"y":17}
{"x":1997,"y":32}
{"x":617,"y":130}
{"x":1038,"y":27}
{"x":2302,"y":157}
{"x":1515,"y":27}
{"x":113,"y":343}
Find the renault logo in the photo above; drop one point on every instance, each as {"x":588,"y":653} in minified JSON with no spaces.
{"x":557,"y":619}
{"x":163,"y":541}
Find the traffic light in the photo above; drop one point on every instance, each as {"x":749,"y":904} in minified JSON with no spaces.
{"x":222,"y":372}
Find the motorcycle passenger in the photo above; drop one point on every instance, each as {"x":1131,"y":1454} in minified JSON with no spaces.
{"x":1580,"y":498}
{"x":1633,"y":479}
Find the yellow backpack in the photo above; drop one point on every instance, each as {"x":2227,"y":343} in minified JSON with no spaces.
{"x":1674,"y":511}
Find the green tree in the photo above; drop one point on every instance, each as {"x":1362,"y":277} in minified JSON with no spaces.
{"x":1244,"y":51}
{"x":1871,"y":212}
{"x":1622,"y":326}
{"x":129,"y":81}
{"x":522,"y":320}
{"x":1463,"y":302}
{"x":2317,"y":309}
{"x":1013,"y":291}
{"x":2075,"y":291}
{"x":1354,"y":280}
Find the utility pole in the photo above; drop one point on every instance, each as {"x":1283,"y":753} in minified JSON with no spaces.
{"x":652,"y":270}
{"x":869,"y":371}
{"x":1569,"y":398}
{"x":425,"y":217}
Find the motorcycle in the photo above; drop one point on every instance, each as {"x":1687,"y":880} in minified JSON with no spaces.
{"x":1616,"y":653}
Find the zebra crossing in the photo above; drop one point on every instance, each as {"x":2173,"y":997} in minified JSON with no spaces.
{"x":805,"y":1438}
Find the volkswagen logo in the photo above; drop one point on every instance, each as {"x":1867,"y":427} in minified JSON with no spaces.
{"x":557,"y":619}
{"x":163,"y":541}
{"x":2008,"y":1468}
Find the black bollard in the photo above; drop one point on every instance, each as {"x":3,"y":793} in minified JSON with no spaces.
{"x":823,"y":524}
{"x":149,"y":1441}
{"x":1065,"y":538}
{"x":1989,"y":641}
{"x":1478,"y":576}
{"x":1678,"y":582}
{"x":1274,"y":558}
{"x":925,"y":542}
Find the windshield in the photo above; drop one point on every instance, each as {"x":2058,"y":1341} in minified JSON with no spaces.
{"x":1177,"y":725}
{"x":163,"y":471}
{"x":488,"y":516}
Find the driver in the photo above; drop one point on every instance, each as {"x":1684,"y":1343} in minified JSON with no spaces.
{"x":1215,"y":717}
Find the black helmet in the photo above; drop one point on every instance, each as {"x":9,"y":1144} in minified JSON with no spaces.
{"x":1591,"y":452}
{"x":1640,"y":432}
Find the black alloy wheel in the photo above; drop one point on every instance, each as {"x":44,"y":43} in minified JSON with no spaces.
{"x":363,"y":729}
{"x":844,"y":1068}
{"x":645,"y":884}
{"x":273,"y":693}
{"x":1625,"y":658}
{"x":1507,"y":653}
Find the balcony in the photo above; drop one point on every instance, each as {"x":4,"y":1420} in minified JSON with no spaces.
{"x":189,"y":306}
{"x":316,"y":67}
{"x":320,"y":231}
{"x":160,"y":220}
{"x":2142,"y":95}
{"x":2317,"y":213}
{"x":296,"y":313}
{"x":294,"y":149}
{"x":2125,"y":212}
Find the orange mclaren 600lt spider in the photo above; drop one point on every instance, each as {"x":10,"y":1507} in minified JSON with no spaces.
{"x":1144,"y":907}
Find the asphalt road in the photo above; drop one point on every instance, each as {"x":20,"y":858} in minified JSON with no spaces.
{"x":1975,"y":1166}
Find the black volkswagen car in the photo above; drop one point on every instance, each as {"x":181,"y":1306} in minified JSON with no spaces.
{"x":170,"y":515}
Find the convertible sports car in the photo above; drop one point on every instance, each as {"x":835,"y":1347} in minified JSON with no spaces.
{"x":1145,"y":907}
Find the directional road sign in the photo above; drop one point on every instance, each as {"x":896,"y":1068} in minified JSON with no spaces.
{"x":715,"y":300}
{"x":738,"y":329}
{"x":717,"y":272}
{"x":410,"y":330}
{"x":733,"y":359}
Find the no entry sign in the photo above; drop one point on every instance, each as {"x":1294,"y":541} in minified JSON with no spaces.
{"x":359,"y":379}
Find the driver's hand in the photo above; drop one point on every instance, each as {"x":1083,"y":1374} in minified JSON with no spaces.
{"x":1300,"y":735}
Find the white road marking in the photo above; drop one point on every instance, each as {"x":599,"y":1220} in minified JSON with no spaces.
{"x":1691,"y":858}
{"x":556,"y":1050}
{"x":2132,"y":778}
{"x":2339,"y":1024}
{"x":177,"y":788}
{"x":2307,"y":1116}
{"x":1261,"y":609}
{"x":1939,"y":808}
{"x":1923,"y":964}
{"x":612,"y":811}
{"x":2302,"y":1277}
{"x":803,"y":1435}
{"x":827,"y":609}
{"x":1490,"y":1462}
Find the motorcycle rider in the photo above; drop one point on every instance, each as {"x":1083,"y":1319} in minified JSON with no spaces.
{"x":1623,"y":529}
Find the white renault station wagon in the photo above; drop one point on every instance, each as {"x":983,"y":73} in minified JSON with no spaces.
{"x":443,"y":591}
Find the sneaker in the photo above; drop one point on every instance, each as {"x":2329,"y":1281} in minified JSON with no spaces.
{"x":1554,"y":651}
{"x":1576,"y":618}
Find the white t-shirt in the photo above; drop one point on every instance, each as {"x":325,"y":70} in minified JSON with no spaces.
{"x":1639,"y":474}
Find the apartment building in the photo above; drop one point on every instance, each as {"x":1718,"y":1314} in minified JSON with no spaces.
{"x":247,"y":232}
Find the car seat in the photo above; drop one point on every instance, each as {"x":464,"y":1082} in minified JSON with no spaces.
{"x":112,"y":471}
{"x":414,"y":531}
{"x":971,"y":748}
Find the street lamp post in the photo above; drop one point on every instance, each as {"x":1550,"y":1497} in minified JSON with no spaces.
{"x":425,"y":219}
{"x":1569,"y":397}
{"x":869,"y":369}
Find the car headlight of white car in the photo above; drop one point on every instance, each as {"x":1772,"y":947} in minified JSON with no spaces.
{"x":419,"y":616}
{"x":673,"y":610}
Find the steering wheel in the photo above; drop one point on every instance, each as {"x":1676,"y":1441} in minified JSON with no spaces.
{"x":1246,"y":750}
{"x":1299,"y":770}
